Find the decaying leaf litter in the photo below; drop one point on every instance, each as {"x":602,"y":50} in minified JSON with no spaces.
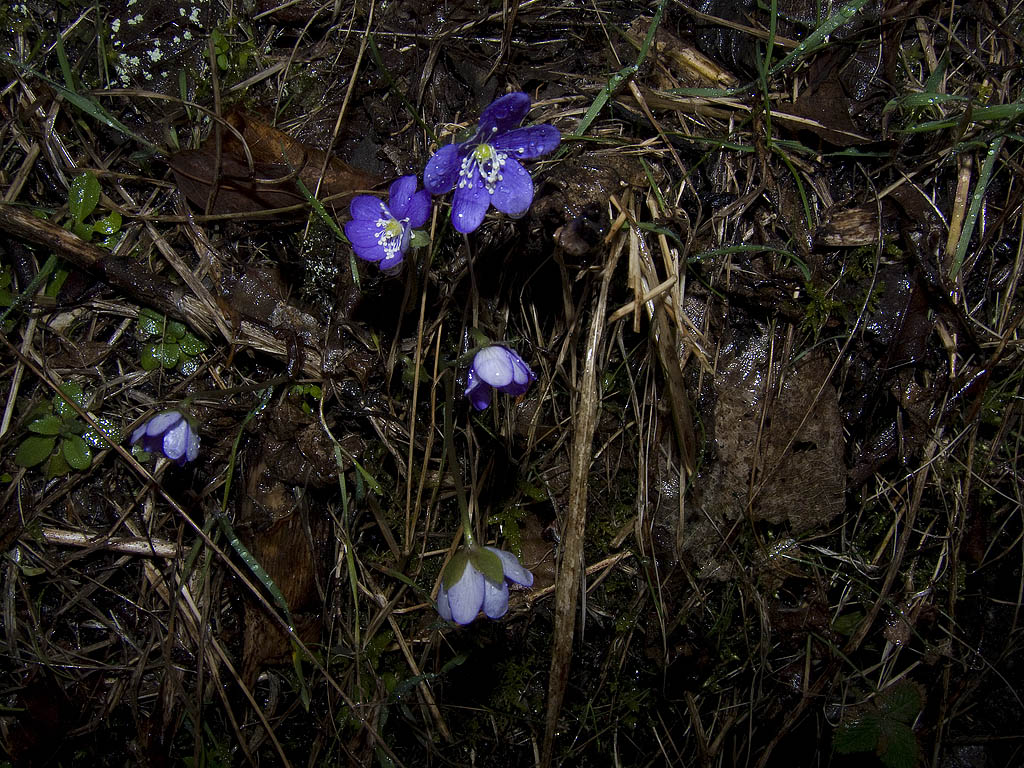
{"x":765,"y":480}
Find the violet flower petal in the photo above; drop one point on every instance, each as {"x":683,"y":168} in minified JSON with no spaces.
{"x":478,"y":392}
{"x":175,"y":441}
{"x":442,"y":169}
{"x":399,"y":194}
{"x":503,"y":114}
{"x":364,"y":232}
{"x":368,"y":207}
{"x":419,"y":209}
{"x":528,"y":142}
{"x":514,"y":193}
{"x":470,"y":204}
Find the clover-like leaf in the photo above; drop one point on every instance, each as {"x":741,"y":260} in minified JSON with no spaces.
{"x":34,"y":450}
{"x":83,"y":196}
{"x":157,"y":354}
{"x":76,"y":452}
{"x":175,"y":330}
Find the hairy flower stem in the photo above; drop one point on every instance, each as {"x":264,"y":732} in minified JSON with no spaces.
{"x":449,"y":444}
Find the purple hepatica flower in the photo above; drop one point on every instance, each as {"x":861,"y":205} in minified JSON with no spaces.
{"x":170,"y":434}
{"x":381,"y":232}
{"x":466,"y":590}
{"x":486,"y":169}
{"x":499,"y":367}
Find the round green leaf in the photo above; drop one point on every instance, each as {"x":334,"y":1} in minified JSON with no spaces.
{"x":34,"y":450}
{"x":419,"y":239}
{"x":150,"y":323}
{"x":187,"y":365}
{"x":83,"y":196}
{"x":76,"y":452}
{"x":175,"y":330}
{"x":192,"y":346}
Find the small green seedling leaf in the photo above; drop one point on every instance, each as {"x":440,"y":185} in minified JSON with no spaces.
{"x":83,"y":196}
{"x":108,"y":225}
{"x":48,"y":425}
{"x":34,"y":450}
{"x":76,"y":452}
{"x":419,"y":239}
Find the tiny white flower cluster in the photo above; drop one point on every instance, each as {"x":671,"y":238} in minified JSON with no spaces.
{"x":132,"y":64}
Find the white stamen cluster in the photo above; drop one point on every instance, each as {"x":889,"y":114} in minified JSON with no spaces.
{"x":486,"y":161}
{"x":389,"y":235}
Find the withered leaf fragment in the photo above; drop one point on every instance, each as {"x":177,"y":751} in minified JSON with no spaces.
{"x":230,"y":184}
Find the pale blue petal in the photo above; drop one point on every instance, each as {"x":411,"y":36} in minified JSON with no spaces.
{"x":513,"y":570}
{"x":504,"y":113}
{"x":419,"y":209}
{"x":442,"y":603}
{"x":399,"y":194}
{"x":442,"y":169}
{"x":176,"y":442}
{"x":495,"y":599}
{"x":514,"y":192}
{"x":192,"y":448}
{"x":368,"y":207}
{"x":162,"y":422}
{"x":528,"y":142}
{"x":466,"y":595}
{"x":138,"y":433}
{"x":494,"y":365}
{"x":470,"y":203}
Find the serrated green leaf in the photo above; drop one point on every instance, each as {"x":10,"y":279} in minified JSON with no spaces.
{"x":34,"y":450}
{"x":489,"y":564}
{"x":858,"y":735}
{"x":456,"y":567}
{"x":192,"y":346}
{"x":76,"y":452}
{"x":73,"y":392}
{"x":83,"y":196}
{"x":108,"y":225}
{"x":901,"y":702}
{"x":150,"y":323}
{"x":897,"y":746}
{"x":57,"y":466}
{"x":48,"y":425}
